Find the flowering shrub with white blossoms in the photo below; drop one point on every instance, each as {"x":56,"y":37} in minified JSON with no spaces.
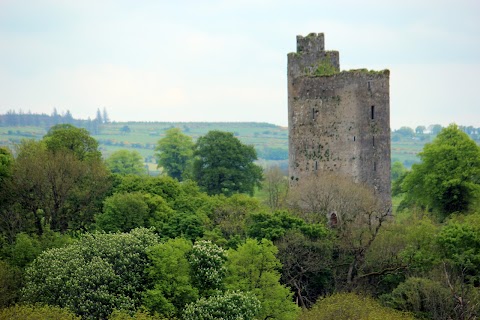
{"x":231,"y":305}
{"x":95,"y":275}
{"x":207,"y":261}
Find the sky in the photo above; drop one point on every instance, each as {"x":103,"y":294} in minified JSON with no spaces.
{"x":226,"y":60}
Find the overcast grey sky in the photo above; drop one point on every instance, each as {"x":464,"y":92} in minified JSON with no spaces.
{"x":226,"y":60}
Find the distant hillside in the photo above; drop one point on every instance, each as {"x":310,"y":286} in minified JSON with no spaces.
{"x":270,"y":141}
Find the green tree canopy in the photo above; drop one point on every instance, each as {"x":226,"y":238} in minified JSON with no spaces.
{"x":174,"y":153}
{"x":224,"y":165}
{"x":343,"y":306}
{"x":126,"y":211}
{"x":125,"y":162}
{"x":424,"y":298}
{"x":398,"y":170}
{"x":36,"y":312}
{"x":56,"y":188}
{"x":67,"y":137}
{"x":420,"y":129}
{"x":94,"y":276}
{"x":406,"y":132}
{"x":207,"y":261}
{"x":6,"y":162}
{"x":459,"y":243}
{"x":228,"y":306}
{"x":253,"y":267}
{"x":170,"y":273}
{"x":448,"y":178}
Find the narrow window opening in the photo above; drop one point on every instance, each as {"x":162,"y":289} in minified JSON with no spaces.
{"x":373,"y":112}
{"x":369,"y":85}
{"x":353,"y":138}
{"x":313,"y":113}
{"x":374,"y":166}
{"x":373,"y":141}
{"x":316,"y":165}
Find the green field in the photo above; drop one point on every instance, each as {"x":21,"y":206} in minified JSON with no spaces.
{"x":143,"y":136}
{"x":270,"y":141}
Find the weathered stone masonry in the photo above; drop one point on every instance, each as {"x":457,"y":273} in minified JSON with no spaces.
{"x":338,"y":121}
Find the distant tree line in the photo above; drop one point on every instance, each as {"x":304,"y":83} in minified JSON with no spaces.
{"x":422,"y":132}
{"x":18,"y":119}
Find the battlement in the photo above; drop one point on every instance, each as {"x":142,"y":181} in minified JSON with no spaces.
{"x":311,"y":57}
{"x":314,"y":42}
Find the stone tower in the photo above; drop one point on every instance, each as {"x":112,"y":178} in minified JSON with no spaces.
{"x":338,"y":120}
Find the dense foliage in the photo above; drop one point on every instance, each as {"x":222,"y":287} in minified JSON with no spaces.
{"x":77,"y":240}
{"x":125,"y":162}
{"x":174,"y":153}
{"x":346,"y":306}
{"x":93,"y":276}
{"x":224,"y":165}
{"x":448,"y":178}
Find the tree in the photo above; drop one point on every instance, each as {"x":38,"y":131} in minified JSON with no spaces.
{"x":459,"y":242}
{"x":6,"y":162}
{"x":171,"y":275}
{"x":406,"y":132}
{"x":273,"y":226}
{"x":425,"y":298}
{"x":65,"y":137}
{"x":398,"y":170}
{"x":345,"y":306}
{"x":174,"y":153}
{"x":68,"y":118}
{"x":36,"y":312}
{"x":227,"y":306}
{"x":99,"y":118}
{"x":126,"y":211}
{"x":435,"y":128}
{"x":230,"y":214}
{"x":420,"y":129}
{"x":353,"y":211}
{"x":448,"y":178}
{"x":224,"y":165}
{"x":10,"y":283}
{"x":253,"y":267}
{"x":125,"y":162}
{"x":207,"y":262}
{"x":275,"y":184}
{"x":125,"y":129}
{"x":306,"y":265}
{"x":55,"y":187}
{"x":139,"y":315}
{"x":93,"y":276}
{"x":106,"y":118}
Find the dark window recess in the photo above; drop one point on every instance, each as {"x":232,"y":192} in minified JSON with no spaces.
{"x":369,"y":85}
{"x":373,"y":112}
{"x":353,"y":138}
{"x":373,"y":141}
{"x":316,"y":165}
{"x":313,"y":113}
{"x":374,"y":166}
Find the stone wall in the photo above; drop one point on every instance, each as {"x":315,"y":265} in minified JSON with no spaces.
{"x":338,"y":121}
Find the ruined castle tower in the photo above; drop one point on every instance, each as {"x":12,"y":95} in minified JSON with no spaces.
{"x":338,"y":120}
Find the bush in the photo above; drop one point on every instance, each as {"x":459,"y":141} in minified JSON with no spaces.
{"x":424,"y":297}
{"x":227,"y":306}
{"x":93,"y":276}
{"x":350,"y":306}
{"x":36,"y":312}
